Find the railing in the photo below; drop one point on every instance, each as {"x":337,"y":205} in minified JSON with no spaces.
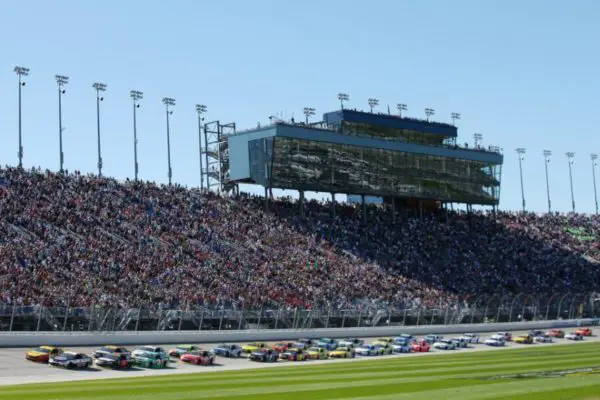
{"x":483,"y":309}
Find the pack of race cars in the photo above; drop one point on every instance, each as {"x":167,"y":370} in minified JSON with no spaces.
{"x":119,"y":357}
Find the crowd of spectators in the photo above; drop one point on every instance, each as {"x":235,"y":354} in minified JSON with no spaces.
{"x":73,"y":239}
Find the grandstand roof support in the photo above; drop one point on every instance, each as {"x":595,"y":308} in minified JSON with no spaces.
{"x":547,"y":154}
{"x":21,"y":72}
{"x":521,"y":154}
{"x":61,"y":81}
{"x":169,"y":102}
{"x":136,"y":95}
{"x":594,"y":158}
{"x":570,"y":157}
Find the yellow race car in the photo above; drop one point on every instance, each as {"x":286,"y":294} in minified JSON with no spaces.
{"x":383,"y":341}
{"x":43,"y":353}
{"x":524,"y":339}
{"x":317,"y":353}
{"x":342,"y":352}
{"x":250,"y":347}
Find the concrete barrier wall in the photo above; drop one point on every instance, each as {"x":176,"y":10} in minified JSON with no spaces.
{"x":71,"y":339}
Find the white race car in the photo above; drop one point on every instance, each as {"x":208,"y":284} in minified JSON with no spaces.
{"x":470,"y":337}
{"x":351,"y":342}
{"x":573,"y":336}
{"x":401,"y":346}
{"x":498,"y":336}
{"x":543,"y":339}
{"x":367,"y":350}
{"x":445,"y":344}
{"x":494,"y":342}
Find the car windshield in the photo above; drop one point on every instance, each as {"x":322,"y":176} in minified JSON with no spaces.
{"x":147,"y":349}
{"x":107,"y":349}
{"x":366,"y":346}
{"x":68,"y":356}
{"x":317,"y":349}
{"x":194,"y":353}
{"x":42,"y":350}
{"x":184,"y":348}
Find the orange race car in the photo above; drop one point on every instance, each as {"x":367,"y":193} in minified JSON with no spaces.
{"x":281,"y":347}
{"x":584,"y":331}
{"x":556,"y":333}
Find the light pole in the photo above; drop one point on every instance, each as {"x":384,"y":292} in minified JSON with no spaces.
{"x":200,"y":109}
{"x":136,"y":95}
{"x":401,"y":107}
{"x":308,"y":112}
{"x":61,"y":81}
{"x":342,"y":97}
{"x":594,"y":158}
{"x":570,"y":155}
{"x":521,"y":154}
{"x":168,"y":101}
{"x":21,"y":72}
{"x":373,"y":103}
{"x":547,"y":154}
{"x":429,"y":112}
{"x":477,"y":137}
{"x":99,"y":87}
{"x":454,"y":116}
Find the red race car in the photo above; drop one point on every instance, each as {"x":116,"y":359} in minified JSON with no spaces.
{"x":280,"y":347}
{"x":556,"y":333}
{"x":198,"y":357}
{"x":584,"y":331}
{"x":420,"y":347}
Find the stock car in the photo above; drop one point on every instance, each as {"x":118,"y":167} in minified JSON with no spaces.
{"x":327,"y":343}
{"x":250,"y":347}
{"x":181,"y":349}
{"x":227,"y":350}
{"x":307,"y":342}
{"x":405,"y":336}
{"x":317,"y":353}
{"x":470,"y":337}
{"x":150,"y":357}
{"x":556,"y":333}
{"x":71,"y":359}
{"x":43,"y":353}
{"x":293,"y":355}
{"x":460,"y":343}
{"x":535,"y":332}
{"x":110,"y":350}
{"x":367,"y":350}
{"x":384,"y":348}
{"x":444,"y":344}
{"x":353,"y":342}
{"x":420,"y":347}
{"x":498,"y":336}
{"x":198,"y":357}
{"x":264,"y":355}
{"x":116,"y":361}
{"x":573,"y":336}
{"x":496,"y":342}
{"x":507,"y":336}
{"x":584,"y":331}
{"x":543,"y":338}
{"x":280,"y":347}
{"x":524,"y":339}
{"x":343,"y":352}
{"x":401,"y":345}
{"x":432,"y":338}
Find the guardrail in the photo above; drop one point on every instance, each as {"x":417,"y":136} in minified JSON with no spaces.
{"x":22,"y":339}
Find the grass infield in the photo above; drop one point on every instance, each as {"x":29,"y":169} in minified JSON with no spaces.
{"x":532,"y":373}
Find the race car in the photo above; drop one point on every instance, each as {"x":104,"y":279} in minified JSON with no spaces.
{"x":109,"y":350}
{"x":584,"y":331}
{"x":116,"y":361}
{"x":181,"y":349}
{"x":300,"y":345}
{"x":71,"y":359}
{"x":198,"y":357}
{"x":495,"y":342}
{"x":573,"y":336}
{"x":507,"y":336}
{"x":524,"y":339}
{"x":227,"y":350}
{"x":327,"y":343}
{"x":342,"y":352}
{"x":264,"y":355}
{"x":405,"y":336}
{"x":367,"y":350}
{"x":535,"y":332}
{"x":307,"y":342}
{"x":293,"y":355}
{"x":470,"y":337}
{"x":384,"y":340}
{"x":444,"y":344}
{"x":150,"y":357}
{"x":420,"y":347}
{"x":556,"y":333}
{"x":43,"y":353}
{"x":401,"y":345}
{"x":384,"y":349}
{"x":351,"y":342}
{"x":280,"y":347}
{"x":460,"y":343}
{"x":317,"y":353}
{"x":543,"y":338}
{"x":498,"y":336}
{"x":432,"y":338}
{"x":250,"y":347}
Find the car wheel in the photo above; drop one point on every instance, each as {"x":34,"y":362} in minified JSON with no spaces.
{"x":86,"y":365}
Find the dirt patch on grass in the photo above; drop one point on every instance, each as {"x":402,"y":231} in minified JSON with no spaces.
{"x":549,"y":374}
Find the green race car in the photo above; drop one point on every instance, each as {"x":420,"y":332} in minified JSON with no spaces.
{"x":150,"y":357}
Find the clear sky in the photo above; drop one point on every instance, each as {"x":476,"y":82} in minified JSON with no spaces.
{"x":522,"y":73}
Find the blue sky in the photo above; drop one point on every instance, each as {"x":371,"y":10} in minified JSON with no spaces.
{"x":522,"y":73}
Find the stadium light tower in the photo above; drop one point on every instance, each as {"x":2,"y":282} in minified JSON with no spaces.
{"x":99,"y":87}
{"x":477,"y":137}
{"x":401,"y":107}
{"x":200,"y":109}
{"x":429,"y":112}
{"x":547,"y":154}
{"x":521,"y":154}
{"x":136,"y":95}
{"x":169,"y":102}
{"x":594,"y":158}
{"x":570,"y":156}
{"x":373,"y":103}
{"x":454,"y":116}
{"x":21,"y":72}
{"x":61,"y":81}
{"x":342,"y":97}
{"x":308,"y":112}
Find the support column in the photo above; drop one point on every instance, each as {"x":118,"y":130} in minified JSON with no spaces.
{"x":301,"y":192}
{"x":333,"y":204}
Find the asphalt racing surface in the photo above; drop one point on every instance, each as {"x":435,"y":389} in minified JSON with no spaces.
{"x":15,"y":369}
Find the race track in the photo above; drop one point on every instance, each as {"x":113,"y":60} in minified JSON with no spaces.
{"x":14,"y":369}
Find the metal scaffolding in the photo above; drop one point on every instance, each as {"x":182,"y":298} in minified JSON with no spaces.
{"x":216,"y":155}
